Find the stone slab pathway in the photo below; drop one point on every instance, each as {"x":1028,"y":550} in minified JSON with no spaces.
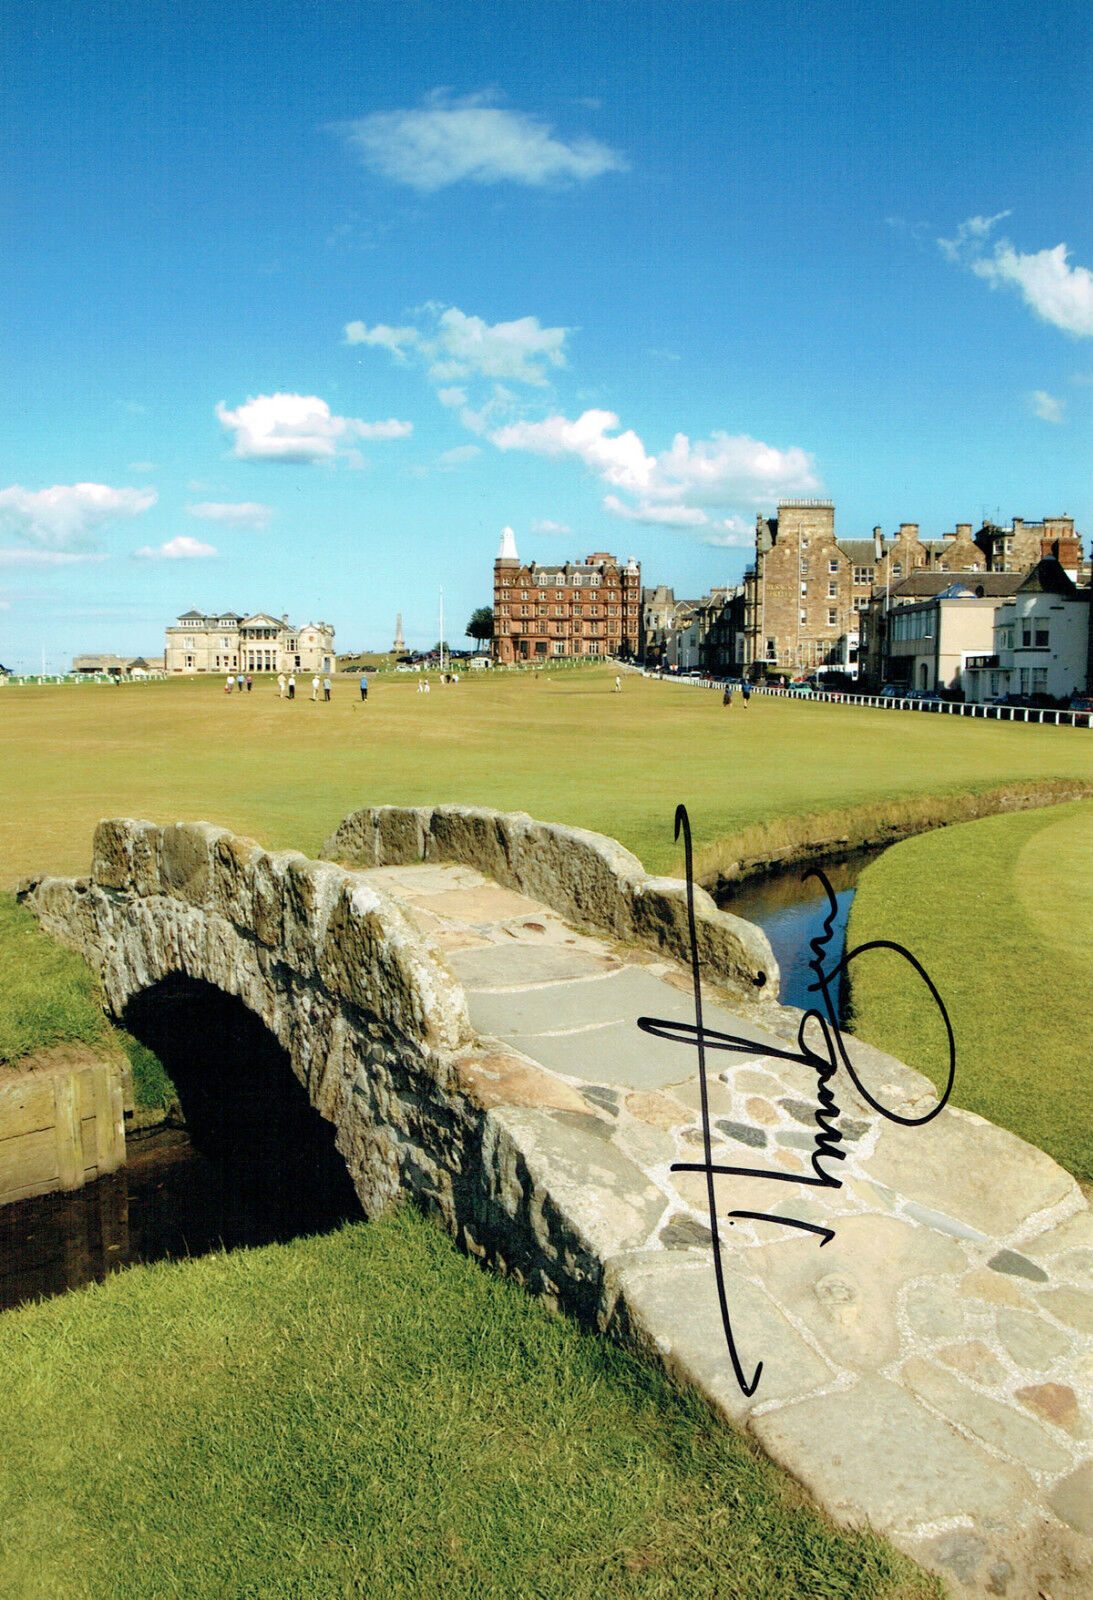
{"x":930,"y":1368}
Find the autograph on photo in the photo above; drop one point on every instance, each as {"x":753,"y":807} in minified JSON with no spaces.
{"x":824,"y":1061}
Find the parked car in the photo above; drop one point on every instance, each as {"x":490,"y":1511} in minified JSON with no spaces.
{"x":1082,"y":706}
{"x":892,"y":691}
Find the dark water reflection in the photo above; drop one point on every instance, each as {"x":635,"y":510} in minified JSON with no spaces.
{"x":791,"y":910}
{"x":167,"y":1203}
{"x":255,"y":1165}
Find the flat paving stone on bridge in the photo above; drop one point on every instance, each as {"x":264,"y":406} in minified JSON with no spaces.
{"x":929,"y":1369}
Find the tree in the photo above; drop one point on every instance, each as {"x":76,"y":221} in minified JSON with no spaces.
{"x":480,"y":627}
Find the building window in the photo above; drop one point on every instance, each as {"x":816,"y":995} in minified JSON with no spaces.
{"x":832,"y":566}
{"x":541,"y":579}
{"x":897,"y":570}
{"x":862,"y":575}
{"x":772,"y":653}
{"x":804,"y":590}
{"x":832,"y":619}
{"x":594,"y":579}
{"x":1041,"y":637}
{"x":832,"y":591}
{"x":576,"y":580}
{"x":803,"y":618}
{"x":1026,"y":635}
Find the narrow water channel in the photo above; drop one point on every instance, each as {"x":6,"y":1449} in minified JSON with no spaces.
{"x":255,"y":1164}
{"x":167,"y":1203}
{"x":791,"y":910}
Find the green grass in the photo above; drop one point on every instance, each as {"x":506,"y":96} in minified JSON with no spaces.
{"x":370,"y":1414}
{"x":48,"y":996}
{"x":560,"y":745}
{"x":1000,"y":912}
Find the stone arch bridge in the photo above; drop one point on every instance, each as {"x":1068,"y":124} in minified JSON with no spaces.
{"x":457,"y":990}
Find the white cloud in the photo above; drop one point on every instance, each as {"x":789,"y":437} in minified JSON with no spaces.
{"x":386,"y":338}
{"x":560,"y":530}
{"x":455,"y":346}
{"x":48,"y":558}
{"x":1057,"y":292}
{"x":298,"y":428}
{"x":242,"y":514}
{"x":619,"y":459}
{"x":732,"y":533}
{"x":722,"y":470}
{"x":459,"y":456}
{"x":453,"y":141}
{"x":970,"y":235}
{"x":61,"y":516}
{"x":452,"y":398}
{"x":1045,"y":406}
{"x":181,"y":549}
{"x":665,"y":516}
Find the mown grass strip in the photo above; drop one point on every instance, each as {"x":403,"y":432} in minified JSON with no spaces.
{"x":1000,"y":912}
{"x":562,"y":746}
{"x":369,"y":1414}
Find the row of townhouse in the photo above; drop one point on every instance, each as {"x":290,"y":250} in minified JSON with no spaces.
{"x":982,"y":635}
{"x":807,"y":590}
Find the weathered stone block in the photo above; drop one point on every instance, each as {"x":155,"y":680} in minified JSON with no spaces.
{"x":961,"y":1159}
{"x":474,"y":835}
{"x":399,"y":834}
{"x":674,"y":1315}
{"x":124,"y":855}
{"x":234,"y":861}
{"x":186,"y":853}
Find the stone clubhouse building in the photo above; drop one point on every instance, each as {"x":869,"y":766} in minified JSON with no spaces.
{"x":227,"y":641}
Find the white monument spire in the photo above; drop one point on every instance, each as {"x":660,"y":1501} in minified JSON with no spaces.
{"x":507,"y":550}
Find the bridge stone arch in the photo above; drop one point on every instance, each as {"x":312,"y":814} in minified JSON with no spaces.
{"x":328,"y":964}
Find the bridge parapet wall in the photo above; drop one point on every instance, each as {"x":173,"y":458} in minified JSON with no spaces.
{"x":589,"y":879}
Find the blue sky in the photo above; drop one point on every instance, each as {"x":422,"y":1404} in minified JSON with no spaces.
{"x":301,"y":304}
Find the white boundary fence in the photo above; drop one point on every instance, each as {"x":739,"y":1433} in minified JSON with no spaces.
{"x":1066,"y":719}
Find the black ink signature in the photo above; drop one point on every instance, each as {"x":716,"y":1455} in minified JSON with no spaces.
{"x":825,"y":1062}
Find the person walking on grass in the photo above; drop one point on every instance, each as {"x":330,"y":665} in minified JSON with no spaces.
{"x":364,"y":687}
{"x":326,"y":687}
{"x":230,"y":685}
{"x":618,"y":684}
{"x":292,"y":686}
{"x":315,"y":687}
{"x":726,"y":698}
{"x":248,"y":683}
{"x":745,"y":690}
{"x":280,"y":686}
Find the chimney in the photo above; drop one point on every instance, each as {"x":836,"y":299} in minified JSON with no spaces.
{"x":878,"y":544}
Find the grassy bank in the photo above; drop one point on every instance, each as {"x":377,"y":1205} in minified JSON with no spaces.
{"x":1000,"y":912}
{"x":48,"y":996}
{"x":369,"y":1414}
{"x":560,"y":745}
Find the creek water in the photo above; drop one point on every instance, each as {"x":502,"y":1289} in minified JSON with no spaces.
{"x":791,"y":909}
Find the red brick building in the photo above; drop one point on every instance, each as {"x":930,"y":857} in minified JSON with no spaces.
{"x":586,"y":608}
